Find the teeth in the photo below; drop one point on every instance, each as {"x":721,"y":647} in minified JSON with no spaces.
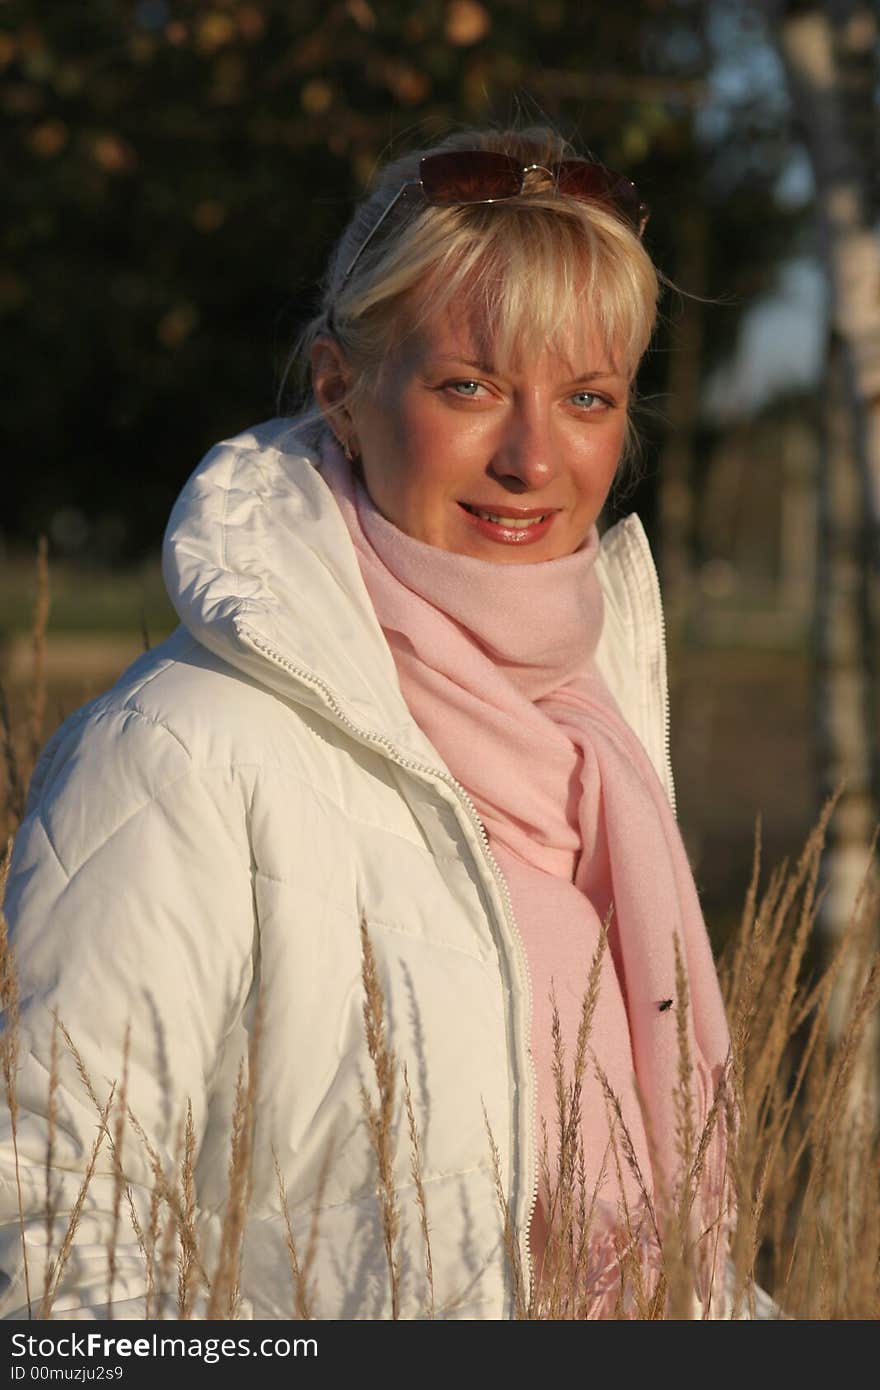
{"x":512,"y":522}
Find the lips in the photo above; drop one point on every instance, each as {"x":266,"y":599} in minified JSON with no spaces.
{"x":511,"y":526}
{"x":505,"y":519}
{"x":507,"y":516}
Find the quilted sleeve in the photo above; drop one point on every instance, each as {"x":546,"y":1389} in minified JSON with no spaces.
{"x":130,"y":913}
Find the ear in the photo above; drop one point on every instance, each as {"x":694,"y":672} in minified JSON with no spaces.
{"x":331,"y":379}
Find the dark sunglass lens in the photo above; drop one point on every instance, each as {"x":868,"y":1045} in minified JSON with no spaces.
{"x":470,"y":176}
{"x":595,"y":183}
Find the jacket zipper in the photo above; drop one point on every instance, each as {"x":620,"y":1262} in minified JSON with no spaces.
{"x":667,"y":741}
{"x":651,"y":570}
{"x":367,"y":736}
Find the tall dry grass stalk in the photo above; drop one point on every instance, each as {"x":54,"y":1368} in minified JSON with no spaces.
{"x":42,"y":604}
{"x":188,"y":1263}
{"x":51,"y":1129}
{"x":13,"y":805}
{"x":302,"y":1299}
{"x":57,"y":1264}
{"x":224,"y":1293}
{"x":380,"y":1113}
{"x":415,"y":1149}
{"x":119,"y":1183}
{"x":9,"y":1055}
{"x":561,"y":1280}
{"x":520,"y":1282}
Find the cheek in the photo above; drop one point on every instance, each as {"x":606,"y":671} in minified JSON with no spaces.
{"x":408,"y":436}
{"x":614,"y":454}
{"x":410,"y":461}
{"x":599,"y":464}
{"x":434,"y":450}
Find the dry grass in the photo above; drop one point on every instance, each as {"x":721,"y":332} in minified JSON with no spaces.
{"x":55,"y":1264}
{"x":302,"y":1301}
{"x":419,"y":1188}
{"x":9,"y":1053}
{"x":806,"y":1164}
{"x":798,"y":1212}
{"x":380,"y":1113}
{"x":223,"y":1300}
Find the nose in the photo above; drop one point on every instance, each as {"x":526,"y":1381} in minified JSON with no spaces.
{"x":525,"y":458}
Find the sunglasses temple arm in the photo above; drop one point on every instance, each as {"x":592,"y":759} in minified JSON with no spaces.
{"x":374,"y":229}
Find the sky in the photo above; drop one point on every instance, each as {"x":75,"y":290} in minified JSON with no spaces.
{"x":781,"y":345}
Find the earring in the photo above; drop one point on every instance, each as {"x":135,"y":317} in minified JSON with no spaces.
{"x":351,"y":456}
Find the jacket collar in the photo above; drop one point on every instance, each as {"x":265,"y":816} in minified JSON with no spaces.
{"x":261,"y":570}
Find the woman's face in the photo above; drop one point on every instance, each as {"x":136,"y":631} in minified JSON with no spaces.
{"x":505,"y":464}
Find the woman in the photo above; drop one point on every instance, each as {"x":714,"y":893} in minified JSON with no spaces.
{"x":414,"y":702}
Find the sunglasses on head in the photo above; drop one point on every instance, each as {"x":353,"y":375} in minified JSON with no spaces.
{"x":457,"y":177}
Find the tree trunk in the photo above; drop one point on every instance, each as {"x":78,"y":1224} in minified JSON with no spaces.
{"x":829,"y":52}
{"x":829,"y":55}
{"x":845,"y":742}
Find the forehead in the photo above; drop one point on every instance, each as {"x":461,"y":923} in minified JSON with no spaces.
{"x":463,"y":330}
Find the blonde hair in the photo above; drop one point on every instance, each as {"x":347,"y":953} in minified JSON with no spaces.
{"x":531,"y":269}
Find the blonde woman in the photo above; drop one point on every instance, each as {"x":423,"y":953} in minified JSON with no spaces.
{"x":414,"y":701}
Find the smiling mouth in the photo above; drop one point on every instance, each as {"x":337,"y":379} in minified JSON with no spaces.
{"x":515,"y":523}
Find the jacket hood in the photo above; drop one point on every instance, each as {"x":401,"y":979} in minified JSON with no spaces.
{"x":260,"y":569}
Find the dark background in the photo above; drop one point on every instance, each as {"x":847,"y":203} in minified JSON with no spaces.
{"x":176,"y":173}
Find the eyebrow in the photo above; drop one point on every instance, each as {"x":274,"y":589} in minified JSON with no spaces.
{"x":491,"y":369}
{"x":467,"y":362}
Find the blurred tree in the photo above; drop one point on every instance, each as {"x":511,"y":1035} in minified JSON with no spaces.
{"x":830,"y":52}
{"x":831,"y":58}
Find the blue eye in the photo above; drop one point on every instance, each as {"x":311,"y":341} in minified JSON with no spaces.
{"x":587,"y":399}
{"x":465,"y":388}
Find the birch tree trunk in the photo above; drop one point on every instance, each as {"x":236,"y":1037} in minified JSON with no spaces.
{"x":829,"y":55}
{"x":843,"y":672}
{"x":828,"y":50}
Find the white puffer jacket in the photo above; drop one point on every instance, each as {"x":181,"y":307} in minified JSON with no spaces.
{"x":219,"y":824}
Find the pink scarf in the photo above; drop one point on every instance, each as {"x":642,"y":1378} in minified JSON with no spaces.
{"x":496,"y":665}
